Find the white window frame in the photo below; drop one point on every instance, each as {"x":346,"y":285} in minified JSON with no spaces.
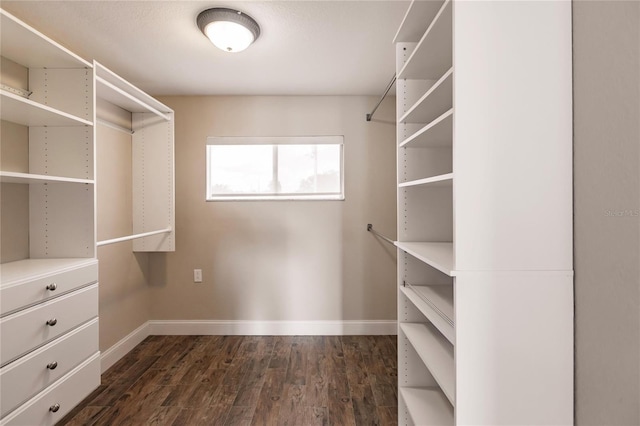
{"x":273,"y":140}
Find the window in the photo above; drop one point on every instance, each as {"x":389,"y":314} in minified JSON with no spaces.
{"x":269,"y":168}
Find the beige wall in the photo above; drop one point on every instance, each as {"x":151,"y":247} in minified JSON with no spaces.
{"x":14,"y":157}
{"x":124,"y":292}
{"x":281,"y":260}
{"x":606,"y":167}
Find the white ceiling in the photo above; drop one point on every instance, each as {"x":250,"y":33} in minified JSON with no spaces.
{"x":305,"y":47}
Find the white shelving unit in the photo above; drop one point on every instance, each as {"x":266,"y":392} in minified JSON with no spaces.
{"x":48,"y":267}
{"x":152,"y":141}
{"x":49,"y":179}
{"x":485,"y":301}
{"x":57,"y":176}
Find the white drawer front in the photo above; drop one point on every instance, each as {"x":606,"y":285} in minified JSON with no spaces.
{"x":25,"y":330}
{"x":30,"y":374}
{"x":27,"y":293}
{"x":65,"y":394}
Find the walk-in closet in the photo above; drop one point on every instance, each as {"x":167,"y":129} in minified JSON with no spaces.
{"x":412,"y":212}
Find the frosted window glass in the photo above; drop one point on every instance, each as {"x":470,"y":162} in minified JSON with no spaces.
{"x":275,"y":171}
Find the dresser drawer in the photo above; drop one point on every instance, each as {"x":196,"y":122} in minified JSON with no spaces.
{"x":30,"y":328}
{"x":51,"y":405}
{"x":41,"y":286}
{"x":30,"y":374}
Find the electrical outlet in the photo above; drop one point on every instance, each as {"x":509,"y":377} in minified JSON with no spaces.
{"x":197,"y":275}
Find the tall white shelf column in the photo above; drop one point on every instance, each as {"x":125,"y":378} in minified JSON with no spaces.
{"x":49,"y":353}
{"x":485,"y":302}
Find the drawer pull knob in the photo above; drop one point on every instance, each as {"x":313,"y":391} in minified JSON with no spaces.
{"x":54,"y":408}
{"x":52,"y":322}
{"x":52,"y":287}
{"x":52,"y":365}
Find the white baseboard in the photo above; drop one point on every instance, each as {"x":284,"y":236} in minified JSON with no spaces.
{"x":273,"y":328}
{"x":123,"y":347}
{"x":243,"y":328}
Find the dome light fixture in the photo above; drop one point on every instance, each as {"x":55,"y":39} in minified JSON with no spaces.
{"x":228,"y":29}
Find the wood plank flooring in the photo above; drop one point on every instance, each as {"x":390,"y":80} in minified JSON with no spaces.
{"x":248,"y":380}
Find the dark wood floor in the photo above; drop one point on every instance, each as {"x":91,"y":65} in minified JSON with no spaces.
{"x":248,"y":380}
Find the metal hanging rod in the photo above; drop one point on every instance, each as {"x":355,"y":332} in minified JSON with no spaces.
{"x":133,"y":237}
{"x":376,"y":233}
{"x":384,"y":95}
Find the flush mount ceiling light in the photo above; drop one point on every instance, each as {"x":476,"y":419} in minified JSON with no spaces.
{"x":228,"y":29}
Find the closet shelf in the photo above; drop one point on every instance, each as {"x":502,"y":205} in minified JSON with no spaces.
{"x":120,"y":92}
{"x":433,"y":103}
{"x":24,"y":178}
{"x":432,"y":57}
{"x":438,"y":133}
{"x":413,"y":24}
{"x":434,"y":181}
{"x":24,"y":111}
{"x":436,"y":303}
{"x":436,"y":352}
{"x":427,"y":406}
{"x":32,"y":49}
{"x":437,"y":255}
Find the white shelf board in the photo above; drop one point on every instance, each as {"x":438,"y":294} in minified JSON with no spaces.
{"x":437,"y":255}
{"x":432,"y":57}
{"x":436,"y":303}
{"x":32,"y":49}
{"x":114,"y":89}
{"x":26,"y":178}
{"x":438,"y":133}
{"x":437,"y":354}
{"x":13,"y":273}
{"x":437,"y":100}
{"x":427,"y":406}
{"x":416,"y":21}
{"x":441,"y":180}
{"x":24,"y":111}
